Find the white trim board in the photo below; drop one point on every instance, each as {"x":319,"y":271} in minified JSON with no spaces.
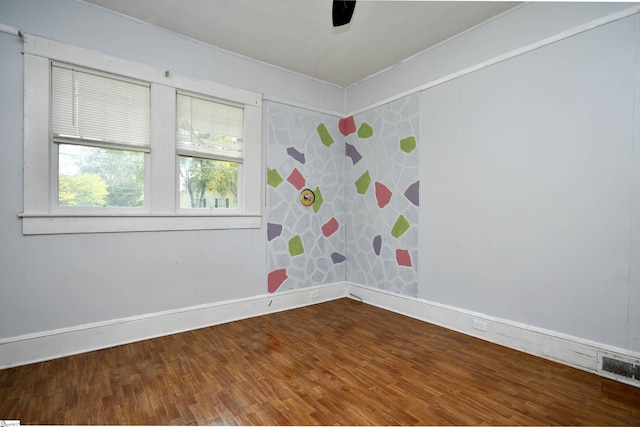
{"x":47,"y":345}
{"x":555,"y":346}
{"x":565,"y":349}
{"x":304,"y":106}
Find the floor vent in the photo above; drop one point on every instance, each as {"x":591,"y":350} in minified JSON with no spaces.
{"x":621,"y":367}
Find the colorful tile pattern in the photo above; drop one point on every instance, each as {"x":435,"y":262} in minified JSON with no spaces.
{"x":296,"y":179}
{"x":353,"y":154}
{"x":382,"y":225}
{"x":324,"y":134}
{"x":362,"y":183}
{"x":305,"y":245}
{"x":330,"y":227}
{"x":275,"y":279}
{"x":273,"y":178}
{"x":365,"y":131}
{"x":295,"y":246}
{"x":347,"y":126}
{"x":354,"y":230}
{"x":383,"y":194}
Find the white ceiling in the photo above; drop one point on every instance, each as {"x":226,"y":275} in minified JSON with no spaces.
{"x":298,"y":34}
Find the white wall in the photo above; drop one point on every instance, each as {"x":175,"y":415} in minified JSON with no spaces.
{"x":89,"y":26}
{"x":634,"y":274}
{"x":51,"y":282}
{"x":530,"y":184}
{"x":530,"y":168}
{"x":523,"y":26}
{"x":529,"y":208}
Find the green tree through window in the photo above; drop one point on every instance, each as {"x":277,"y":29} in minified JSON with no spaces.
{"x":201,"y":177}
{"x":115,"y":176}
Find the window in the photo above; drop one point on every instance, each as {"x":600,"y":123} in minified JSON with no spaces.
{"x":100,"y":127}
{"x":111,"y":146}
{"x":90,"y":176}
{"x":210,"y":147}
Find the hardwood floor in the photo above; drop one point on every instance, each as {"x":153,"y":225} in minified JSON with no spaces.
{"x":340,"y":362}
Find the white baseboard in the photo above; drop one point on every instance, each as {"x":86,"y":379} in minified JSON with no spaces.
{"x":565,"y":349}
{"x":47,"y":345}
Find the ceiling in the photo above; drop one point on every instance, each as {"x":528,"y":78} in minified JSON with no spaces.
{"x":298,"y":35}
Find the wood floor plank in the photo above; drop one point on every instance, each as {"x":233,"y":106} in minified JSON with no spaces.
{"x":336,"y":363}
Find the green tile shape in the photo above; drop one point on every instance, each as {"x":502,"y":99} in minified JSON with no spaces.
{"x":295,"y":246}
{"x":317,"y":203}
{"x":365,"y":131}
{"x":400,"y":227}
{"x":273,"y":178}
{"x":325,"y":136}
{"x":362,"y":183}
{"x":408,"y":144}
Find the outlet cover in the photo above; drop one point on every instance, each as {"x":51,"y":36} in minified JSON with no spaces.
{"x":479,"y":325}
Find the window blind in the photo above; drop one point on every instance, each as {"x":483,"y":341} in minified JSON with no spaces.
{"x":91,"y":108}
{"x":212,"y":129}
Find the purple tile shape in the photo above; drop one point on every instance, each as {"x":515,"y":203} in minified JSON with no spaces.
{"x":353,"y":153}
{"x":413,"y":193}
{"x":337,"y":258}
{"x":296,"y":154}
{"x":273,"y":231}
{"x":377,"y":244}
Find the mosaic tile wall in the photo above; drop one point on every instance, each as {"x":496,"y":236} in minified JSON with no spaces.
{"x":382,"y":189}
{"x":305,"y":245}
{"x":371,"y":237}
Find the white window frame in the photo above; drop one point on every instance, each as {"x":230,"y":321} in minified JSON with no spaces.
{"x":55,"y":206}
{"x":189,"y":152}
{"x":161,"y":211}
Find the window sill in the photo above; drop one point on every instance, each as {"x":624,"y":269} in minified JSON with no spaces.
{"x":33,"y":224}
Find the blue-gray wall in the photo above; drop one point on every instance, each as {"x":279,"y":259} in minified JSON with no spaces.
{"x":529,"y":178}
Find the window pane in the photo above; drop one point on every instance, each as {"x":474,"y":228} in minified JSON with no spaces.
{"x":210,"y":127}
{"x":99,"y":108}
{"x":207,"y":183}
{"x":93,"y":176}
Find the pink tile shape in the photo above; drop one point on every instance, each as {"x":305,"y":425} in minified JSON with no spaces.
{"x":276,"y":278}
{"x":330,"y":227}
{"x":383,"y":194}
{"x":347,"y":126}
{"x":403,"y":257}
{"x":296,"y":179}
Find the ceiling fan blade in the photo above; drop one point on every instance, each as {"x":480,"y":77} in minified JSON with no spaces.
{"x":342,"y":12}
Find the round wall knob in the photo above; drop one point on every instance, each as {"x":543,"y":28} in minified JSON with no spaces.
{"x":307,"y":197}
